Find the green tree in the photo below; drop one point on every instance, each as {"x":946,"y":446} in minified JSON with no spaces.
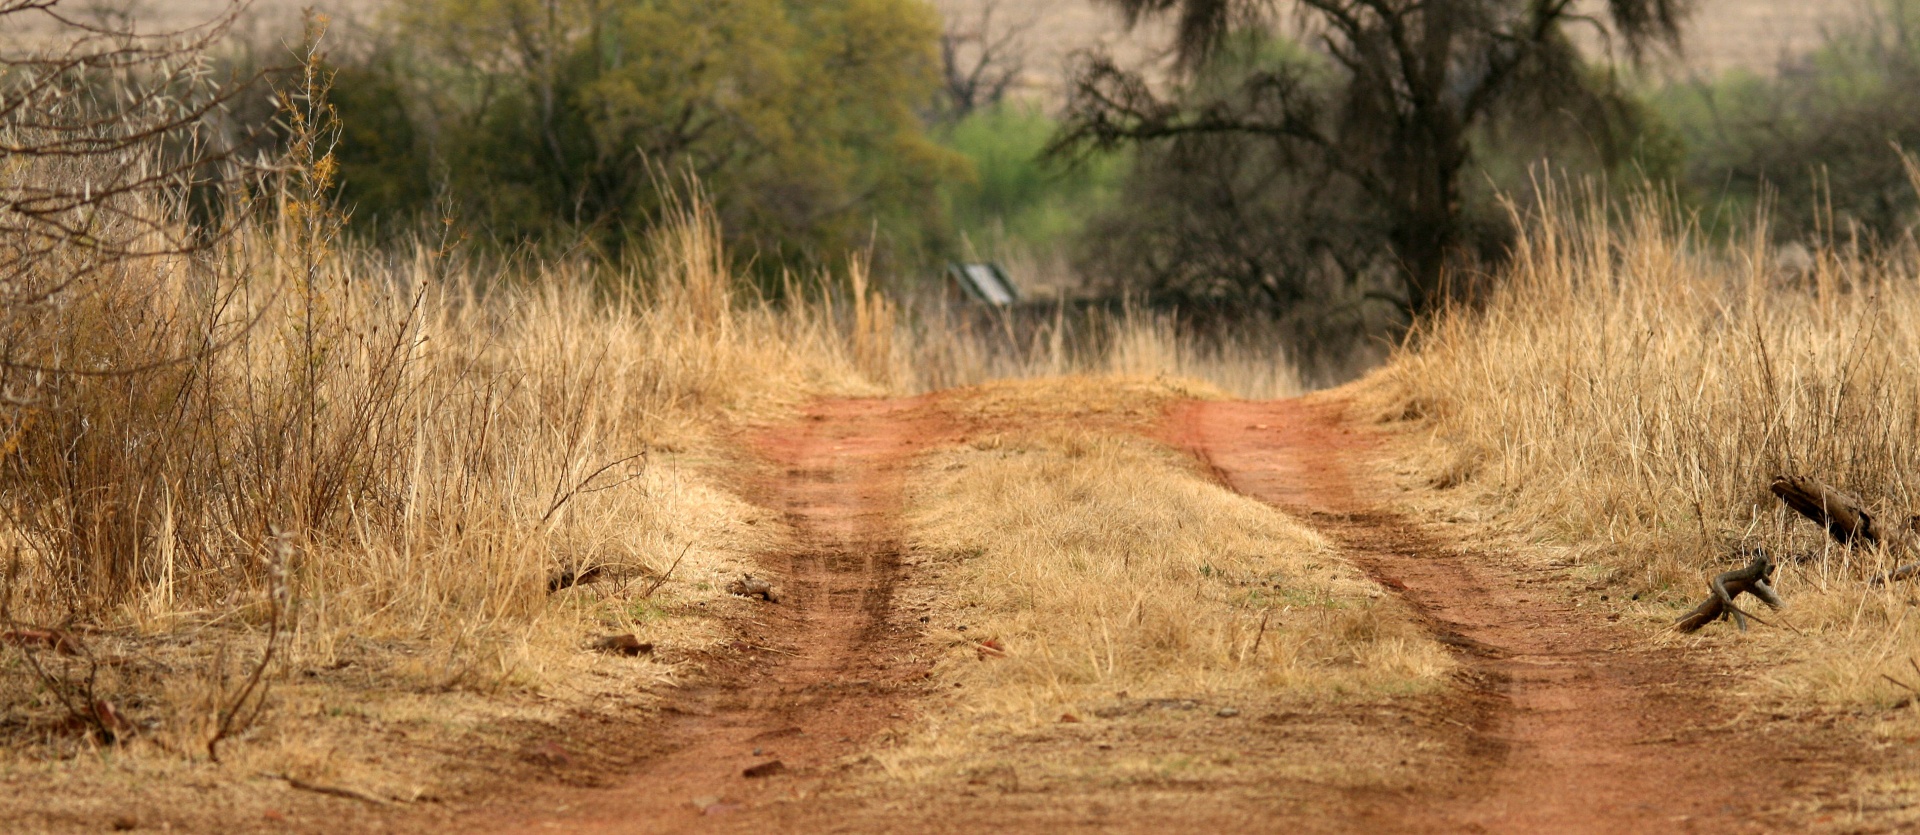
{"x":1821,"y":142}
{"x":384,"y":166}
{"x":799,"y":118}
{"x":1386,"y":106}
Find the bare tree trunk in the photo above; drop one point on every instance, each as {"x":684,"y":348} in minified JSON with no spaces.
{"x":1426,"y":235}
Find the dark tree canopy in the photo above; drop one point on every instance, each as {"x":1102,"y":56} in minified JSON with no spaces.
{"x":1389,"y":98}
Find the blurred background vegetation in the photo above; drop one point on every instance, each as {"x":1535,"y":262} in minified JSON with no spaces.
{"x":537,"y":121}
{"x":1819,"y":142}
{"x":913,"y":135}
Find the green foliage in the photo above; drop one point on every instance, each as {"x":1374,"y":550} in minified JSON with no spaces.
{"x":1634,"y":144}
{"x":1818,"y":142}
{"x":1382,"y":110}
{"x":800,"y":119}
{"x":1018,"y":196}
{"x":383,"y":161}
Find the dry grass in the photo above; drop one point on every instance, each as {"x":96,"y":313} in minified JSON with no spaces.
{"x":419,"y":600}
{"x":458,"y":438}
{"x":1118,"y":578}
{"x":369,"y":466}
{"x":1627,"y":397}
{"x":1623,"y":403}
{"x":943,"y":348}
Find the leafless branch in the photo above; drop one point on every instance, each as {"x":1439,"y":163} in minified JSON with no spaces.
{"x":982,"y":58}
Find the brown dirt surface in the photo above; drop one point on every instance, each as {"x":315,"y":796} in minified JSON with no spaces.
{"x":814,"y":677}
{"x":1576,"y":724}
{"x":1562,"y":721}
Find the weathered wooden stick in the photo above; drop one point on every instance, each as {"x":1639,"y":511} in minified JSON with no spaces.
{"x":1841,"y":514}
{"x":1905,"y":572}
{"x":1727,"y":586}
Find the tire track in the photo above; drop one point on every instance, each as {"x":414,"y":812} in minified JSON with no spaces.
{"x":1575,"y":724}
{"x":817,"y":676}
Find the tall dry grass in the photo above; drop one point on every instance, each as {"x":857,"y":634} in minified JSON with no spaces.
{"x":433,"y":452}
{"x":429,"y":439}
{"x":1630,"y":391}
{"x":941,"y":347}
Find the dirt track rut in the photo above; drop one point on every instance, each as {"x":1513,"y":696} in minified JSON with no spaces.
{"x":1577,"y":724}
{"x":1562,"y":721}
{"x":816,"y":675}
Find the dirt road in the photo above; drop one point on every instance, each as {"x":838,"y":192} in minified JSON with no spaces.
{"x":1582,"y":725}
{"x":1561,"y":721}
{"x":815,"y":676}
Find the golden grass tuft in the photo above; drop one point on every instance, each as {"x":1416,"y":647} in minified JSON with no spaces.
{"x":943,"y":348}
{"x":1110,"y":569}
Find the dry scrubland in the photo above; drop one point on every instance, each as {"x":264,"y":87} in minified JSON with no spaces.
{"x":1620,"y":406}
{"x":381,"y":470}
{"x":404,"y":461}
{"x":391,"y":456}
{"x":1623,"y":402}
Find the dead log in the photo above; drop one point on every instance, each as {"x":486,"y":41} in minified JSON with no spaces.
{"x":1841,"y":514}
{"x":1725,"y":587}
{"x":1847,"y":522}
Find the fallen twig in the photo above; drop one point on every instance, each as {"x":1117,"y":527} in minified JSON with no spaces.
{"x":322,"y":788}
{"x":662,"y":579}
{"x":1258,"y":636}
{"x":1783,"y":624}
{"x":561,"y":499}
{"x":279,"y":553}
{"x":1908,"y":687}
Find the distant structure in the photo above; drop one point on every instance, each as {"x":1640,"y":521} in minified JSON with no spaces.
{"x":985,"y":283}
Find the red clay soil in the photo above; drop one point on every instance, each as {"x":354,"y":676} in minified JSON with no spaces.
{"x":1562,"y":721}
{"x":820,"y":671}
{"x":1579,"y":724}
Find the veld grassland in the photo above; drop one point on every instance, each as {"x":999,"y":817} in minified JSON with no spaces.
{"x":375,"y":463}
{"x":1624,"y":399}
{"x":390,"y":464}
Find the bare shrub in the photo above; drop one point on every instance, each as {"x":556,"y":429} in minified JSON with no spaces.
{"x":983,"y":54}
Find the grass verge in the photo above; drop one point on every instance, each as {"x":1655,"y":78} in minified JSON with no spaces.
{"x":1621,"y":404}
{"x":1086,"y":584}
